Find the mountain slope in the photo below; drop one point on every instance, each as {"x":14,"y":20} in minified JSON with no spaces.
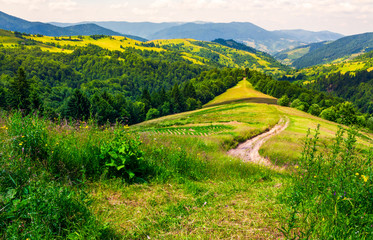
{"x":309,"y":36}
{"x":8,"y":22}
{"x":290,"y":55}
{"x":340,"y":49}
{"x":202,"y":53}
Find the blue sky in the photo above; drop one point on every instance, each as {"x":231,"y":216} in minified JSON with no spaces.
{"x":343,"y":16}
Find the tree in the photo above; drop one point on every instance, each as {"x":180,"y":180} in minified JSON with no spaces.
{"x":19,"y":91}
{"x":152,"y":113}
{"x":284,"y":101}
{"x":78,"y":106}
{"x":177,"y":100}
{"x":314,"y":109}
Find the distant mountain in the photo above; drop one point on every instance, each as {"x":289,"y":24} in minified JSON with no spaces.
{"x":8,"y":22}
{"x":343,"y":48}
{"x":248,"y":33}
{"x":309,"y":36}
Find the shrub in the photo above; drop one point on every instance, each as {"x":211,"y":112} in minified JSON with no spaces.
{"x":122,"y":156}
{"x":331,"y":196}
{"x":284,"y":101}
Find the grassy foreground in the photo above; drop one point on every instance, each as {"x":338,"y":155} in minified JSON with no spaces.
{"x":170,"y":178}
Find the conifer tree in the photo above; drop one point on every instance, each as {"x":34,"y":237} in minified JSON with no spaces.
{"x":19,"y":91}
{"x":78,"y":105}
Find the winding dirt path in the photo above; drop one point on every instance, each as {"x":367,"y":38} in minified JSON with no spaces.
{"x":249,"y":150}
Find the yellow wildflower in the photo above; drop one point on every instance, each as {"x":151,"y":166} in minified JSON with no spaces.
{"x":20,"y":144}
{"x":357,"y":174}
{"x":296,"y":167}
{"x":46,"y":144}
{"x":365,"y":178}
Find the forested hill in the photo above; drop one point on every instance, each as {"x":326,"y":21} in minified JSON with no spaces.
{"x":290,"y":55}
{"x":198,"y":52}
{"x":239,"y":46}
{"x":129,"y":86}
{"x":343,"y":48}
{"x":351,"y":80}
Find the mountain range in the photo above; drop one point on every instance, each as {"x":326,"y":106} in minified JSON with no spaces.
{"x":245,"y":32}
{"x":8,"y":22}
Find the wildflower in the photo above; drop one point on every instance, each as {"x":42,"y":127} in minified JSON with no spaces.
{"x":357,"y":174}
{"x":365,"y":178}
{"x":46,"y":144}
{"x":315,"y":176}
{"x":20,"y":144}
{"x":296,"y":167}
{"x":23,"y":136}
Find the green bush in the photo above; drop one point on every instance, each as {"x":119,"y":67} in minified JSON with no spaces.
{"x":122,"y":156}
{"x":331,"y":196}
{"x":45,"y":210}
{"x":284,"y":101}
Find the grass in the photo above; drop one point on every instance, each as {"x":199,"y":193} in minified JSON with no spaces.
{"x":243,"y":90}
{"x":184,"y":186}
{"x":286,"y":147}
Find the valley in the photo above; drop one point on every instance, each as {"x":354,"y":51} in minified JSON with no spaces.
{"x":189,"y":135}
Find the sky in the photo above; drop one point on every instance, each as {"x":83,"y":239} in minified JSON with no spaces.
{"x":343,"y":16}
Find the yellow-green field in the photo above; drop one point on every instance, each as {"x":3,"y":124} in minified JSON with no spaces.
{"x":244,"y":91}
{"x":198,"y":52}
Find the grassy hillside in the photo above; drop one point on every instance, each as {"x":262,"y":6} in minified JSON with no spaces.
{"x":244,"y":91}
{"x":362,"y":62}
{"x":216,"y":54}
{"x":198,"y":52}
{"x":166,"y":178}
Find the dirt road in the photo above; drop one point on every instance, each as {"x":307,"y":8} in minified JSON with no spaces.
{"x":249,"y":150}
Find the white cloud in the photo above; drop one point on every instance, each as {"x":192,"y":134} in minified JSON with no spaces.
{"x":119,"y":5}
{"x":63,"y":5}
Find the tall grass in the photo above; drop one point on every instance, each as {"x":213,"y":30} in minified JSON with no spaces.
{"x":331,"y":196}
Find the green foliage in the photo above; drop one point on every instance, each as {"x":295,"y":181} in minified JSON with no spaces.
{"x":78,"y":105}
{"x":123,"y":157}
{"x":45,"y":210}
{"x":331,"y":194}
{"x":314,"y":109}
{"x":19,"y":91}
{"x":29,"y":136}
{"x":152,"y":113}
{"x":284,"y":101}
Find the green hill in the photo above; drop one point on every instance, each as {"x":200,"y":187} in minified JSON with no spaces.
{"x":341,"y":49}
{"x":198,"y":52}
{"x":290,"y":55}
